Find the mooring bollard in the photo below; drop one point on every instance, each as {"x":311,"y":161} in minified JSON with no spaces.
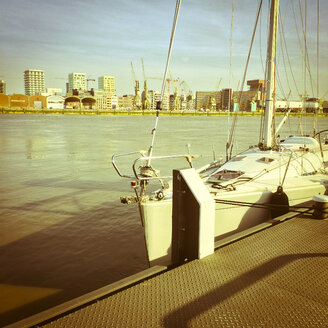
{"x":320,"y":207}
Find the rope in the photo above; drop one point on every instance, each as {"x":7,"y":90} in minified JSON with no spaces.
{"x":175,"y":20}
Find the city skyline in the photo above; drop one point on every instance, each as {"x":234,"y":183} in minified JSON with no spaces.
{"x":103,"y":37}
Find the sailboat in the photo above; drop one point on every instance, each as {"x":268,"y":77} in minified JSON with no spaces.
{"x":248,"y":189}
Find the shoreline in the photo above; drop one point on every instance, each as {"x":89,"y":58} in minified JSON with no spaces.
{"x":19,"y":110}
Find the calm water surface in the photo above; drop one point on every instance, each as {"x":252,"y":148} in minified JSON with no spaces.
{"x":63,"y":230}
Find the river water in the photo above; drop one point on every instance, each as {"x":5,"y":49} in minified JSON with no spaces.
{"x":63,"y":230}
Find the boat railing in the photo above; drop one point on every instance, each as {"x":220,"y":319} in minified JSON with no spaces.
{"x":140,"y":152}
{"x":147,"y":172}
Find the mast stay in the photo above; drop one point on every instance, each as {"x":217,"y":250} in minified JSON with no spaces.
{"x":229,"y":144}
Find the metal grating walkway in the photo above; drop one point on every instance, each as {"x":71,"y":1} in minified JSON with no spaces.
{"x":275,"y":278}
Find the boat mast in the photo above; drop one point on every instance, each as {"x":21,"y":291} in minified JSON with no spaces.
{"x":271,"y":63}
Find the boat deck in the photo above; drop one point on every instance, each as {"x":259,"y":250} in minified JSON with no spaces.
{"x":277,"y":277}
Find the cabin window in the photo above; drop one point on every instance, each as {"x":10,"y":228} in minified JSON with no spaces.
{"x":266,"y":160}
{"x":237,"y":158}
{"x":227,"y":175}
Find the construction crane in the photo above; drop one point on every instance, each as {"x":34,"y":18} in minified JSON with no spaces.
{"x":168,"y":80}
{"x":143,"y":69}
{"x":218,"y":84}
{"x":134,"y":79}
{"x":238,"y":85}
{"x":185,"y":88}
{"x":144,"y":96}
{"x":88,"y":83}
{"x":137,"y":99}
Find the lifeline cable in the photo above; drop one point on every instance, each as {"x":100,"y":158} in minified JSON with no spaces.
{"x":158,"y":108}
{"x":296,"y":209}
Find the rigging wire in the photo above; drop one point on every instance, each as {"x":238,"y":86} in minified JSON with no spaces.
{"x":305,"y":48}
{"x":232,"y":130}
{"x":158,"y":108}
{"x":260,"y":44}
{"x":230,"y":66}
{"x":283,"y":58}
{"x":288,"y":58}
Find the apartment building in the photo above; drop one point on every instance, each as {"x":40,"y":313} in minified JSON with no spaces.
{"x":155,"y":96}
{"x":107,"y":83}
{"x":76,"y":81}
{"x":34,"y":82}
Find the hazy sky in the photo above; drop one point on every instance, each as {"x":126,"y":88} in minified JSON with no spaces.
{"x":102,"y":37}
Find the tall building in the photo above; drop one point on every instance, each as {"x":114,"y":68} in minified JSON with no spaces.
{"x":34,"y":81}
{"x":2,"y":86}
{"x":76,"y":81}
{"x":107,"y":83}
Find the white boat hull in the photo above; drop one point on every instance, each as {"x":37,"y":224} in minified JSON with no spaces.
{"x":230,"y":219}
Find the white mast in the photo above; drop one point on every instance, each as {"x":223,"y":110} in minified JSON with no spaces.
{"x":271,"y":63}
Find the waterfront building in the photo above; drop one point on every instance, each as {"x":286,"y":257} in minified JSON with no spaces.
{"x":296,"y":106}
{"x":4,"y":100}
{"x":114,"y":102}
{"x":102,"y":99}
{"x":88,"y":102}
{"x":190,"y":103}
{"x":126,"y":102}
{"x":208,"y":100}
{"x":37,"y":101}
{"x":250,"y":100}
{"x":259,"y":86}
{"x":107,"y":83}
{"x":226,"y":97}
{"x":55,"y":102}
{"x":155,"y":96}
{"x":76,"y":81}
{"x":2,"y":86}
{"x":34,"y":82}
{"x":72,"y":102}
{"x":18,"y":100}
{"x":247,"y":100}
{"x":325,"y":106}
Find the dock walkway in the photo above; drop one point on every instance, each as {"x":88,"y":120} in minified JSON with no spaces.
{"x":277,"y":277}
